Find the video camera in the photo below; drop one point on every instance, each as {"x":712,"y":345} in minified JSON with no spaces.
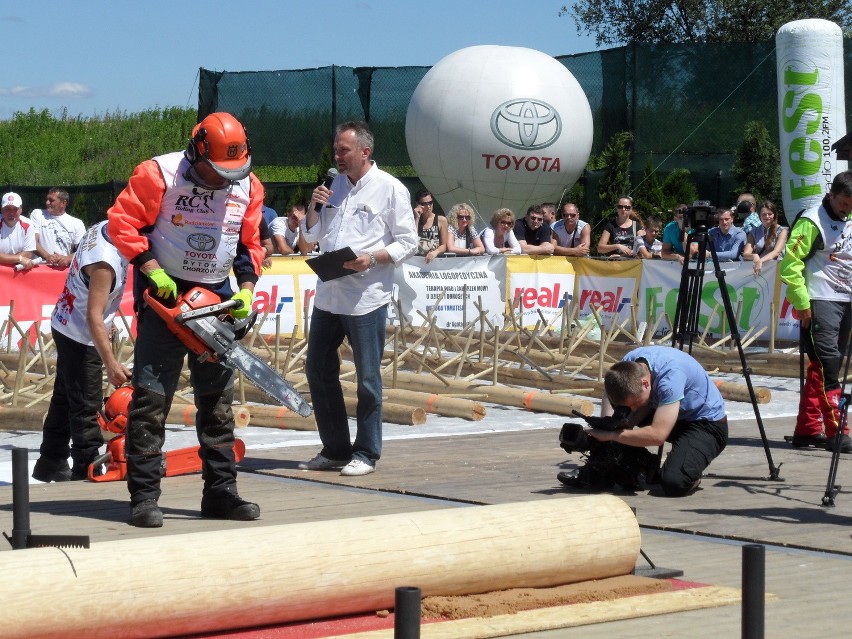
{"x":573,"y":436}
{"x":698,"y":214}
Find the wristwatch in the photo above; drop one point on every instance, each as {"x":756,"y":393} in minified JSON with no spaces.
{"x":373,"y":261}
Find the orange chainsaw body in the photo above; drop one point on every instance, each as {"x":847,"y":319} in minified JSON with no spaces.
{"x":178,"y":462}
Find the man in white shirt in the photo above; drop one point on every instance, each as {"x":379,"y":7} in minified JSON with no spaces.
{"x":17,"y":235}
{"x":57,"y":233}
{"x":571,"y":235}
{"x":286,"y":237}
{"x":369,"y":211}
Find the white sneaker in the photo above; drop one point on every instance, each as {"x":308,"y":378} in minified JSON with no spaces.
{"x":356,"y":468}
{"x":320,"y":462}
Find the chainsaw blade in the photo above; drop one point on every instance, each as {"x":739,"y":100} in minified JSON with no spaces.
{"x":267,"y":379}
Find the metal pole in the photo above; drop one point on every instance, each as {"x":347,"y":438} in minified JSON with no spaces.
{"x":20,"y":498}
{"x":754,"y":591}
{"x":406,"y":613}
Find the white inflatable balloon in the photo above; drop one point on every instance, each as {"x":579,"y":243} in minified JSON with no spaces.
{"x":498,"y":126}
{"x":810,"y":110}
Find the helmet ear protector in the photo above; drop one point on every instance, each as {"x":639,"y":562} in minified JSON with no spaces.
{"x":222,"y":141}
{"x":196,"y":147}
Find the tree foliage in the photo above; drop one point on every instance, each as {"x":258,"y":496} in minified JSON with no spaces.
{"x":648,"y":196}
{"x":620,"y":22}
{"x":615,"y":162}
{"x":757,"y":164}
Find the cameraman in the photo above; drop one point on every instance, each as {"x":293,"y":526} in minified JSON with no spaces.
{"x":671,"y":399}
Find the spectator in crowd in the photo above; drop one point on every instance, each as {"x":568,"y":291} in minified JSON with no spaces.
{"x":674,"y":236}
{"x":728,"y":240}
{"x":499,"y":236}
{"x":80,"y":325}
{"x":533,"y":233}
{"x":375,"y":209}
{"x":670,"y":398}
{"x":462,"y":238}
{"x":269,"y":214}
{"x":57,"y":233}
{"x":17,"y":234}
{"x":286,"y":236}
{"x":746,"y":210}
{"x":620,"y":233}
{"x":649,"y":246}
{"x":766,"y":242}
{"x":431,"y":228}
{"x":548,"y":211}
{"x":819,"y":286}
{"x":214,"y":176}
{"x":572,"y":236}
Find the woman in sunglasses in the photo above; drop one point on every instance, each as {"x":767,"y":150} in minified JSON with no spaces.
{"x":621,"y":231}
{"x":463,"y":238}
{"x":431,"y":227}
{"x":500,"y":237}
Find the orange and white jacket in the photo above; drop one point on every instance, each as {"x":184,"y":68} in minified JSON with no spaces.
{"x":197,"y":235}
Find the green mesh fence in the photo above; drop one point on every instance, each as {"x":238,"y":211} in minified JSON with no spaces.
{"x":686,"y":104}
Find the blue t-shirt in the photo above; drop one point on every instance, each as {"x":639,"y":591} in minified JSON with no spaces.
{"x":269,"y":214}
{"x":677,"y":376}
{"x":672,"y":235}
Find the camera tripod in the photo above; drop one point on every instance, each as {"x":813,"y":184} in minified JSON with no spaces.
{"x":831,"y":489}
{"x":685,"y":327}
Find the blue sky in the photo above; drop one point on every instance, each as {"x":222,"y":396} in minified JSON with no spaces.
{"x":93,"y":57}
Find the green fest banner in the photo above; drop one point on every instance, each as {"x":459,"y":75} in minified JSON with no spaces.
{"x":754,"y":298}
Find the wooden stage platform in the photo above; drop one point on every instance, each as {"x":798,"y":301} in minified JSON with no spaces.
{"x":809,"y":547}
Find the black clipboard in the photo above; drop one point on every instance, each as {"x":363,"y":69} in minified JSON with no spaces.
{"x":329,"y":265}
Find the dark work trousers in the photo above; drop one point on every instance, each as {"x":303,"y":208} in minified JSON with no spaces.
{"x":158,"y":360}
{"x":77,"y":397}
{"x":825,"y":341}
{"x":694,"y":445}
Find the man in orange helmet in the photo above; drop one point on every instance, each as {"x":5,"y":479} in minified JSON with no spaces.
{"x":188,"y":219}
{"x":80,"y":325}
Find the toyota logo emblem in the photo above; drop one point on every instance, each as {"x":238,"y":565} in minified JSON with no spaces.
{"x":526,"y":124}
{"x":201,"y":242}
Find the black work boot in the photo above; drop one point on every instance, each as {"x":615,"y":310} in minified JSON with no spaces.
{"x":224,"y":504}
{"x":146,"y":514}
{"x":48,"y":470}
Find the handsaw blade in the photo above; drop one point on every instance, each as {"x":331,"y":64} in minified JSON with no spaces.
{"x":267,"y":379}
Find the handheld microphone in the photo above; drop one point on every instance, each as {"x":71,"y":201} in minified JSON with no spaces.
{"x":329,"y":178}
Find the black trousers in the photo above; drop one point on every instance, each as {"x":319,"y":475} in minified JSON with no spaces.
{"x":77,"y":397}
{"x":694,"y":445}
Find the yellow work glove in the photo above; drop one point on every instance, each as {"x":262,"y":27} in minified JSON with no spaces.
{"x":165,"y":285}
{"x":245,"y":296}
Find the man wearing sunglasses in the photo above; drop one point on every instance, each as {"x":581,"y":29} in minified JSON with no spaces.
{"x":534,"y":234}
{"x":571,"y":235}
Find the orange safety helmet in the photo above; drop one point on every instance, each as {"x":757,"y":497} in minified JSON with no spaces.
{"x":113,"y":417}
{"x":221,"y":140}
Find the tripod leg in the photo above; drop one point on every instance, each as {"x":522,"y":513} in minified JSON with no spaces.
{"x":831,"y":489}
{"x":735,"y":336}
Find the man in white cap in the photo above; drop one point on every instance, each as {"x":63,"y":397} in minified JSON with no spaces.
{"x":17,"y":234}
{"x":57,"y":233}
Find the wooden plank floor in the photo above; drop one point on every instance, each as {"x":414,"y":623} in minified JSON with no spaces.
{"x":736,"y":502}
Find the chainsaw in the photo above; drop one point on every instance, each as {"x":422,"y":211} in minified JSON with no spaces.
{"x":200,"y":321}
